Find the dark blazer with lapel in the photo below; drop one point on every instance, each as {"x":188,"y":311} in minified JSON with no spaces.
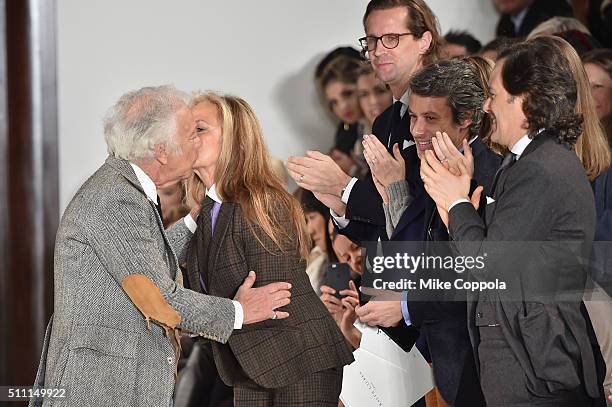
{"x":540,"y":11}
{"x":444,"y":323}
{"x":272,"y":353}
{"x":544,"y":197}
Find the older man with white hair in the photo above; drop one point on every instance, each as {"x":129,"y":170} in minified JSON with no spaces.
{"x":116,"y":269}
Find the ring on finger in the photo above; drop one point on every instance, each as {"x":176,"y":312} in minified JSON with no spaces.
{"x":275,"y":316}
{"x":302,"y":178}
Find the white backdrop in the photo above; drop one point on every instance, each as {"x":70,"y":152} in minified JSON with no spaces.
{"x":264,"y":51}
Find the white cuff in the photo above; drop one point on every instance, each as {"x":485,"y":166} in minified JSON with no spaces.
{"x":347,"y":190}
{"x":457,"y":202}
{"x":341,"y":221}
{"x":190,"y":223}
{"x":239,"y":316}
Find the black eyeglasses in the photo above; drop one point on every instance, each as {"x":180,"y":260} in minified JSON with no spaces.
{"x":388,"y":41}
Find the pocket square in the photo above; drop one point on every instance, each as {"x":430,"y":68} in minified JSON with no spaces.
{"x":408,"y":143}
{"x":490,"y":200}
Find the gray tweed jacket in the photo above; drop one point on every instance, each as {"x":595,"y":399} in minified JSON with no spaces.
{"x":99,"y":346}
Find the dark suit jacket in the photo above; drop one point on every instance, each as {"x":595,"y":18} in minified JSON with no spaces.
{"x":540,"y":11}
{"x":272,"y":353}
{"x":443,"y":324}
{"x":544,"y":197}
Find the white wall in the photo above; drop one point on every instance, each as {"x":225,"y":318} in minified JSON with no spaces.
{"x":264,"y":51}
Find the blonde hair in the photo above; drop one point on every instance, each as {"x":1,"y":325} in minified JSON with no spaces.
{"x":557,"y":25}
{"x":592,"y":145}
{"x":243,"y":175}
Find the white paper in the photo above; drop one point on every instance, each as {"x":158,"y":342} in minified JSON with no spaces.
{"x":384,"y":375}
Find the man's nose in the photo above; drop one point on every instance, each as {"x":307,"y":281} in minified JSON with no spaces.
{"x":418,"y":127}
{"x":378,"y":48}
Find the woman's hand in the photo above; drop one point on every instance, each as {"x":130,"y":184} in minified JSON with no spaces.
{"x":385,"y":168}
{"x":350,"y":302}
{"x":333,"y":304}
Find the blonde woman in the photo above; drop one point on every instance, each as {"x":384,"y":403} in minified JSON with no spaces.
{"x":250,"y":222}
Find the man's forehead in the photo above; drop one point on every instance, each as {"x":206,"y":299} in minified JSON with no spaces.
{"x":387,"y":21}
{"x":428,"y":104}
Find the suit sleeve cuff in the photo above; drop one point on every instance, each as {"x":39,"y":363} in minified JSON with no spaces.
{"x":347,"y":191}
{"x":404,"y":302}
{"x":341,"y":221}
{"x":457,"y":202}
{"x":190,"y":223}
{"x":239,"y":316}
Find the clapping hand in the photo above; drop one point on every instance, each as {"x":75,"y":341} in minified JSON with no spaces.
{"x":317,"y":172}
{"x":450,"y":156}
{"x":385,"y":168}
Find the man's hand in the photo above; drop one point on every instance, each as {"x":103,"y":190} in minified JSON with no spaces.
{"x":448,"y":153}
{"x":443,"y":187}
{"x":383,"y":310}
{"x":382,"y":191}
{"x":385,"y":168}
{"x":474,"y":199}
{"x":317,"y":172}
{"x":260,"y":303}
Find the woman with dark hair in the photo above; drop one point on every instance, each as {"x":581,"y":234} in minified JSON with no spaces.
{"x":322,"y":254}
{"x":249,"y":222}
{"x":336,"y":83}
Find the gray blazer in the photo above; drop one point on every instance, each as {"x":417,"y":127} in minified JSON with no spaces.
{"x":99,"y":346}
{"x":544,"y":197}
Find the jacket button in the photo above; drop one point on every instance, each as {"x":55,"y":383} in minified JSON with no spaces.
{"x":170,"y":360}
{"x":479,"y":315}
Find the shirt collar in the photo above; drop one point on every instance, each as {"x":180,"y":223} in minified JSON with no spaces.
{"x":518,"y":19}
{"x":212,"y":194}
{"x":519,"y":147}
{"x":146,"y":182}
{"x":404,"y":100}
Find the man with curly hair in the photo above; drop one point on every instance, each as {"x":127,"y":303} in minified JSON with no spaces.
{"x":530,"y":339}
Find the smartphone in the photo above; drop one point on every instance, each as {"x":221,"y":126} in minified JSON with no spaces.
{"x":337,"y":276}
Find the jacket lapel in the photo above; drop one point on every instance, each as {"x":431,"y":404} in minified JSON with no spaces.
{"x":124,"y":168}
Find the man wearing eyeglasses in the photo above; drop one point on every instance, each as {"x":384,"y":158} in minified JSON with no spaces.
{"x":401,"y":37}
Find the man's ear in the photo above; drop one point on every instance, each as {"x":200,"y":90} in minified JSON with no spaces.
{"x":425,"y":42}
{"x":467,"y":121}
{"x":161,"y":154}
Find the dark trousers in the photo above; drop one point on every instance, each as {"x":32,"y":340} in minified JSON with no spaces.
{"x":320,"y":389}
{"x":503,"y":380}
